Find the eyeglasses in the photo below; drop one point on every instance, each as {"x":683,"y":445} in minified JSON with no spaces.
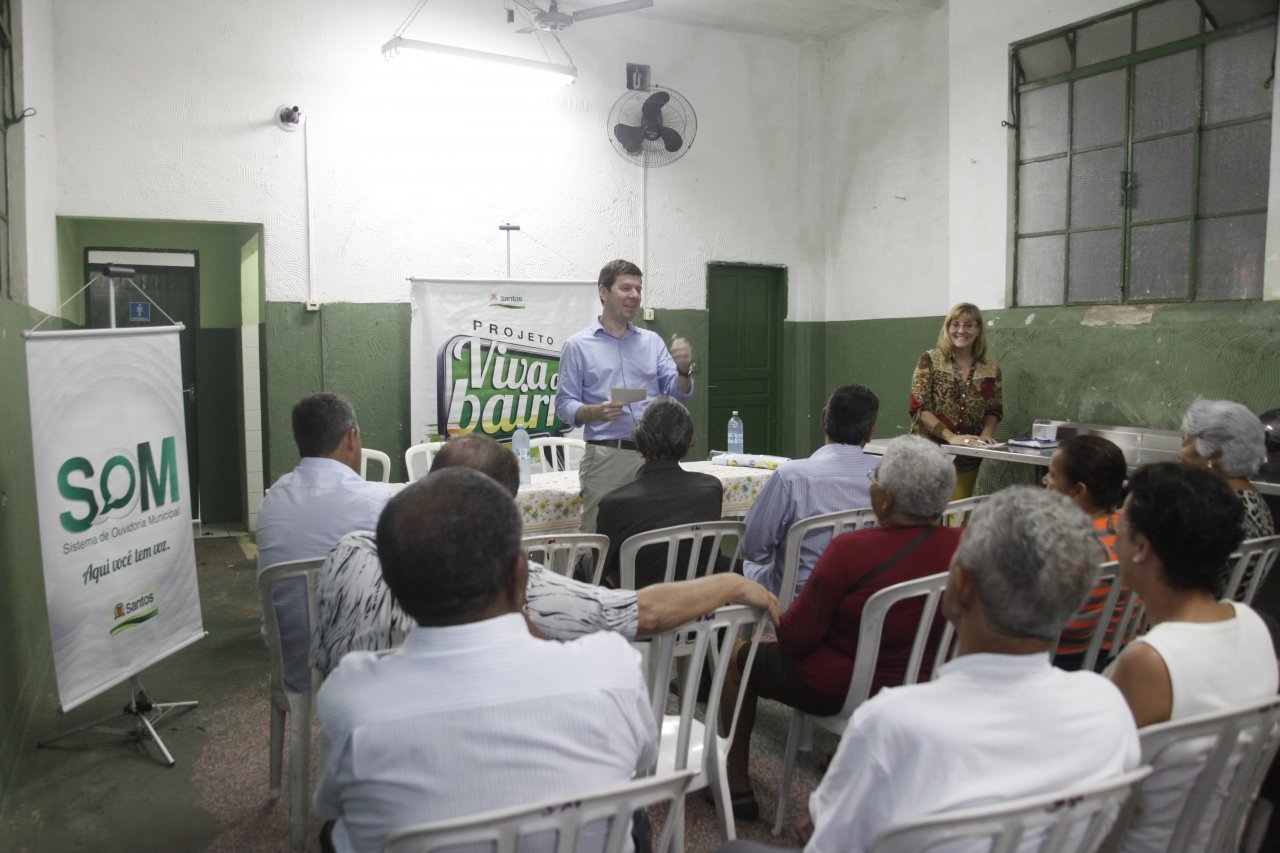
{"x":966,"y":327}
{"x":871,"y":475}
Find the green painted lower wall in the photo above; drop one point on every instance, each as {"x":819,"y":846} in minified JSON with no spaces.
{"x":25,"y":658}
{"x":692,"y":325}
{"x":1140,"y":366}
{"x":1069,"y":363}
{"x":803,"y":391}
{"x":360,"y":350}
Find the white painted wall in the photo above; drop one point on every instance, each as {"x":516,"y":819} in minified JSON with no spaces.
{"x":874,"y":166}
{"x":33,"y":152}
{"x":165,"y":112}
{"x":885,"y":133}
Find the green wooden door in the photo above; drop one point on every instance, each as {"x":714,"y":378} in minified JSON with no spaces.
{"x":745,"y":306}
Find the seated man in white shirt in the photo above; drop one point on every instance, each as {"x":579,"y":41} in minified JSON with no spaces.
{"x":999,"y":722}
{"x":354,"y":611}
{"x":473,"y":712}
{"x":834,"y":478}
{"x":309,"y":509}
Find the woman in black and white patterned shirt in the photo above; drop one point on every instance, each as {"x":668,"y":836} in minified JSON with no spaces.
{"x":1229,"y":440}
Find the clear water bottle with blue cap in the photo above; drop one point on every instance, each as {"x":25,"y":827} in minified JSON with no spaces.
{"x":735,"y":433}
{"x":520,"y":444}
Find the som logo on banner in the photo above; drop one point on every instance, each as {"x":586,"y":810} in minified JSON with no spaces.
{"x":117,"y":484}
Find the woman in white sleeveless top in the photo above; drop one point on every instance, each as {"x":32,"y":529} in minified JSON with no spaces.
{"x":1175,"y":532}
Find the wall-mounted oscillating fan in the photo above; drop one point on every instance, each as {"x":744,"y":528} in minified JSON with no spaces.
{"x":652,"y":128}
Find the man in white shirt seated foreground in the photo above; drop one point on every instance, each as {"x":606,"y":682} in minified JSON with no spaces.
{"x":355,"y":612}
{"x":999,"y":722}
{"x":309,"y":509}
{"x":473,"y":712}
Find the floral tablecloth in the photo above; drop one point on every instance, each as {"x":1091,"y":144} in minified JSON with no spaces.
{"x":553,"y":502}
{"x":741,"y":485}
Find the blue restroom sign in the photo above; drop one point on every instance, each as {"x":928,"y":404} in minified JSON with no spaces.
{"x":139,"y":312}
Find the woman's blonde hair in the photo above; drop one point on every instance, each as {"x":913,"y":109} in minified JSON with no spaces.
{"x":964,"y":309}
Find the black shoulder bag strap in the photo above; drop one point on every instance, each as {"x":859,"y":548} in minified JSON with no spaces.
{"x":892,"y":561}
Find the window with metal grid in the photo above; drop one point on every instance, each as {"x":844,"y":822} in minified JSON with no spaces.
{"x":1143,"y":155}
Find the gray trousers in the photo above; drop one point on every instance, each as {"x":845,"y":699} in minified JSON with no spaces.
{"x":602,"y":470}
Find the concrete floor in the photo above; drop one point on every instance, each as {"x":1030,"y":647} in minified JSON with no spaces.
{"x":98,"y":792}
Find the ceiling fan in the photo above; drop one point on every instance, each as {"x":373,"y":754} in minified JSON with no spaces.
{"x":552,"y":20}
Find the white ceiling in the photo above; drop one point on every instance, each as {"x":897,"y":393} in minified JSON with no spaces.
{"x":792,"y":19}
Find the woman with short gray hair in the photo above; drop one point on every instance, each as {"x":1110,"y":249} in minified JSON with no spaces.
{"x":811,"y":663}
{"x":1226,"y":438}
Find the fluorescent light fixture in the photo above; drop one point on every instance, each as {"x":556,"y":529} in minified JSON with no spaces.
{"x":565,"y":72}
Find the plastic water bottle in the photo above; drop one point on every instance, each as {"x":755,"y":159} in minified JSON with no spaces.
{"x":735,"y":433}
{"x":520,"y":444}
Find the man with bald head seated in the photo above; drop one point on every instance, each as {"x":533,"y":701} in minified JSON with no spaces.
{"x":355,"y":612}
{"x":472,"y":712}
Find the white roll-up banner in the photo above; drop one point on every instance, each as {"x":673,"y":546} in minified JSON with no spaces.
{"x":485,"y":355}
{"x":110,"y":447}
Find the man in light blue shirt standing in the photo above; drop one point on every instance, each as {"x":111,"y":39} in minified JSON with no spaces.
{"x":835,"y":478}
{"x":613,"y":353}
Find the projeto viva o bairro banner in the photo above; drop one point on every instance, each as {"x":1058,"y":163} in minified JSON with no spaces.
{"x":485,"y":355}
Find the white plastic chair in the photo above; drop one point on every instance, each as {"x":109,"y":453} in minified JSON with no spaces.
{"x":417,"y":459}
{"x":286,"y":702}
{"x":1211,"y":765}
{"x":826,"y":527}
{"x":929,"y":590}
{"x":1073,"y":821}
{"x":559,"y":552}
{"x":1250,"y":567}
{"x":383,"y":460}
{"x":561,"y":821}
{"x":1133,"y":621}
{"x":704,"y":538}
{"x":558,"y":454}
{"x":1107,"y":619}
{"x":686,"y":741}
{"x":957,"y":513}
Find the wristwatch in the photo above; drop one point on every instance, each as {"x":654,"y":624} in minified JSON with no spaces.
{"x":692,"y":366}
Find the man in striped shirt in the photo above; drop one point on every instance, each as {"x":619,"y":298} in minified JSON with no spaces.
{"x":355,"y":610}
{"x":835,"y":478}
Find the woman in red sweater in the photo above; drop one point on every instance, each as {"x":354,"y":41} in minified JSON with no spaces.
{"x":810,"y":664}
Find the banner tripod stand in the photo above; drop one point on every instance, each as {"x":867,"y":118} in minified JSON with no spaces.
{"x":146,"y":715}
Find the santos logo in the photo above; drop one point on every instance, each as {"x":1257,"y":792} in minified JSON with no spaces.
{"x":119,"y":483}
{"x":505,"y":300}
{"x":135,"y":611}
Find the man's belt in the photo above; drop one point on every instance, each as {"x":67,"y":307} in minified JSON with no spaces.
{"x":616,"y":443}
